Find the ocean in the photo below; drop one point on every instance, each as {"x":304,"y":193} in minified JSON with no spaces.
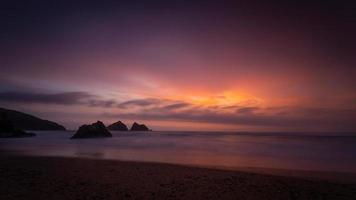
{"x":300,"y":151}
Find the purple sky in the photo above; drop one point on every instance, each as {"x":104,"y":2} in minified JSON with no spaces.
{"x":208,"y":65}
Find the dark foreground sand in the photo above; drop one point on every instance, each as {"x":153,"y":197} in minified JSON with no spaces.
{"x":69,"y":178}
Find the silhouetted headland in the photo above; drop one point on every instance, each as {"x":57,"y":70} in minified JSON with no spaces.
{"x":8,"y":130}
{"x":118,"y":126}
{"x":28,"y":122}
{"x":95,"y":130}
{"x":139,"y":127}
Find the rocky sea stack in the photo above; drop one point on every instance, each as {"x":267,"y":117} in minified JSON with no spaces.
{"x":7,"y":129}
{"x":139,"y":127}
{"x":118,"y":126}
{"x":95,"y":130}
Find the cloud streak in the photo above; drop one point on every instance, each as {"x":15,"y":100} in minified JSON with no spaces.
{"x":64,"y":98}
{"x":139,"y":103}
{"x":285,"y":117}
{"x":308,"y":118}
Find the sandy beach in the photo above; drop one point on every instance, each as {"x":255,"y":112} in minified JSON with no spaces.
{"x":26,"y":177}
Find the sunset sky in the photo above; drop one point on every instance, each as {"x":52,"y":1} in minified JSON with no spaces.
{"x":182,"y":65}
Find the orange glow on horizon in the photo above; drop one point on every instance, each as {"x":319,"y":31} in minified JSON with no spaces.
{"x":223,"y":99}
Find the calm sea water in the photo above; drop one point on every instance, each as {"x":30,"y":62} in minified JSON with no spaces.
{"x":273,"y":150}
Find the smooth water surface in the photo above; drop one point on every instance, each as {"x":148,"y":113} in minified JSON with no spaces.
{"x":281,"y":151}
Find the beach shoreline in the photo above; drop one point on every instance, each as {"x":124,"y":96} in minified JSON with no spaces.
{"x":29,"y":177}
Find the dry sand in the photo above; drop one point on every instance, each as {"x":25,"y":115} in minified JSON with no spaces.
{"x":72,"y":178}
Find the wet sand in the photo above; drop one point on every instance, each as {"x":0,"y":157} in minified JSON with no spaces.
{"x":72,"y":178}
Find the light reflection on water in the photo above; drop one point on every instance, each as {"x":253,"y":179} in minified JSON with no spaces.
{"x":290,"y":151}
